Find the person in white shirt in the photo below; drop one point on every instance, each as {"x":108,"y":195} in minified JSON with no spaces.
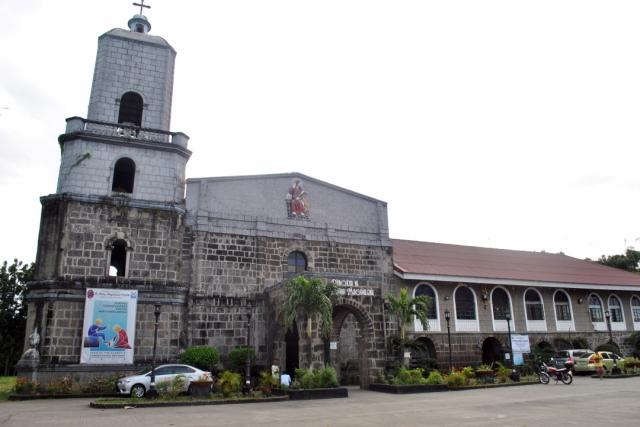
{"x":275,"y":371}
{"x":285,"y":379}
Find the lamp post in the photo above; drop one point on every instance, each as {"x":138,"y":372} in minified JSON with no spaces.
{"x":247,"y":376}
{"x":615,"y":370}
{"x":447,"y":315}
{"x":152,"y":393}
{"x":515,"y":377}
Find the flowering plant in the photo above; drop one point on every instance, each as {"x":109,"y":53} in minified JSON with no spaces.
{"x":204,"y":377}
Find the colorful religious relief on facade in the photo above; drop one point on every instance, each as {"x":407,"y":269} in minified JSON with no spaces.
{"x":297,"y":205}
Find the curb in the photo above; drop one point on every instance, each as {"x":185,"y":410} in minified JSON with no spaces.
{"x":140,"y":405}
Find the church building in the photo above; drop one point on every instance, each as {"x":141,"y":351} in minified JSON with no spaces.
{"x":124,"y":219}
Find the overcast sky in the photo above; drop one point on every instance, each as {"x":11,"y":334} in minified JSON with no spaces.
{"x":503,"y":124}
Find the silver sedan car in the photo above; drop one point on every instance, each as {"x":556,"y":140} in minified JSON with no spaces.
{"x":137,"y":385}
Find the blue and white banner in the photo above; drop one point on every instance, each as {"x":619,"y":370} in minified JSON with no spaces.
{"x":109,"y":326}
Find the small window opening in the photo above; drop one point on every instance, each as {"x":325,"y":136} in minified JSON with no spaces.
{"x":139,"y":28}
{"x":124,"y":174}
{"x":296,"y":264}
{"x":465,"y":304}
{"x":500,"y":304}
{"x":131,"y":109}
{"x":118,"y":265}
{"x":534,"y":305}
{"x":433,"y":308}
{"x":562,"y":306}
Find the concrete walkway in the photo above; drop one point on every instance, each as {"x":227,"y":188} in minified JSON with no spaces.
{"x":586,"y":402}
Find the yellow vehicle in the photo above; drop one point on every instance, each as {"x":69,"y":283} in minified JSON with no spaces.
{"x":585,"y":364}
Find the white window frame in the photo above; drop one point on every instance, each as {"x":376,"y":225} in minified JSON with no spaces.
{"x":464,"y":325}
{"x":535,"y":325}
{"x":564,"y":325}
{"x":617,"y":326}
{"x":636,"y":325}
{"x":501,"y":325}
{"x":434,"y":324}
{"x":598,"y":326}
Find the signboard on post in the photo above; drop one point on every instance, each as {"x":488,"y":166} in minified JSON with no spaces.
{"x":520,"y":344}
{"x":109,"y":326}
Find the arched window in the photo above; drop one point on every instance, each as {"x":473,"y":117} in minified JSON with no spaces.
{"x":465,"y":304}
{"x":635,"y":308}
{"x":118,"y":264}
{"x":428,"y":290}
{"x":561,"y":301}
{"x":124,"y":173}
{"x":595,"y":308}
{"x":616,"y":309}
{"x":296,"y":264}
{"x":500,"y":303}
{"x":533,"y":304}
{"x":131,"y":109}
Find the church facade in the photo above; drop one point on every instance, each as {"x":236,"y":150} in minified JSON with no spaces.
{"x":208,"y":249}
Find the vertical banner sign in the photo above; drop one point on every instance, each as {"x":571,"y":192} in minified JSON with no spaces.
{"x":109,"y":326}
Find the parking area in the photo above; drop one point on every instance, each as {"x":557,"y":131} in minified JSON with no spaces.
{"x":532,"y":405}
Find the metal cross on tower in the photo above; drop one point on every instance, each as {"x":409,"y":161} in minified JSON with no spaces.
{"x":141,"y":4}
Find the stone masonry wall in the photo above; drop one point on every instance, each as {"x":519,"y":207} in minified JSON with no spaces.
{"x":87,"y":167}
{"x":57,"y":310}
{"x":129,"y":61}
{"x":154,"y":237}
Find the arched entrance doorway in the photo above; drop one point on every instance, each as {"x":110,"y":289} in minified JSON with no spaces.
{"x":429,"y":353}
{"x":292,"y":350}
{"x":491,"y":351}
{"x":350,"y":341}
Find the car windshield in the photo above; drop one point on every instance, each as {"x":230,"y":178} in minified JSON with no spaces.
{"x":587,"y":355}
{"x":561,"y":354}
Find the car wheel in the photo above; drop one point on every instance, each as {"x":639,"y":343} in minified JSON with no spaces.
{"x":138,"y":390}
{"x":190,"y":390}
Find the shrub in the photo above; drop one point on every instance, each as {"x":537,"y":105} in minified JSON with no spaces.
{"x":201,"y":357}
{"x":305,"y":378}
{"x":238,"y":358}
{"x":229,"y":382}
{"x":380,"y":379}
{"x":326,"y":377}
{"x":170,"y":388}
{"x":63,"y":386}
{"x":98,"y":385}
{"x":22,"y":383}
{"x":435,"y":378}
{"x":456,"y":379}
{"x":409,"y":377}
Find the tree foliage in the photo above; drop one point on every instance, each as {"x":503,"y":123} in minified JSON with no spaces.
{"x":405,"y":309}
{"x":202,"y":357}
{"x":629,"y":262}
{"x":13,"y":310}
{"x":311,"y":297}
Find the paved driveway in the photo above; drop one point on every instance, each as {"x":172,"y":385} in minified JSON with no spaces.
{"x":587,"y":402}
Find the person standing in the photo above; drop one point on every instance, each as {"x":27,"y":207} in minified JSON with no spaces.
{"x":597,"y":361}
{"x":275,"y":372}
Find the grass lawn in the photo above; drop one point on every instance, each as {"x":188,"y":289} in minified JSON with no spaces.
{"x":6,"y":385}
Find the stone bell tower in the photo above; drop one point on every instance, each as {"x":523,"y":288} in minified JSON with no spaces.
{"x":116,"y":219}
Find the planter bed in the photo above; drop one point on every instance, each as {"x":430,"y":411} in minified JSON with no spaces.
{"x":407,"y":389}
{"x":141,"y":403}
{"x":314,"y":393}
{"x":19,"y":397}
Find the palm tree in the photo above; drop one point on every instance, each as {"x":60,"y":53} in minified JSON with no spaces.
{"x":311,"y":297}
{"x":405,"y":309}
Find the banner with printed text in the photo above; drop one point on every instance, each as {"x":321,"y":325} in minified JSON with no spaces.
{"x":109,"y":326}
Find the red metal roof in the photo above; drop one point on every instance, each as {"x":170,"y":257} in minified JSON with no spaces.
{"x":439,"y":259}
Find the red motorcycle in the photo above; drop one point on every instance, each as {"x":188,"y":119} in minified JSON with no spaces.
{"x":545,"y":373}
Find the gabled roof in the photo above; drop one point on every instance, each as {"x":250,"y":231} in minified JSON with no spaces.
{"x":438,"y":261}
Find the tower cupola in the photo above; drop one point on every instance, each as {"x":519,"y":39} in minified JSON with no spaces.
{"x":139,"y":24}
